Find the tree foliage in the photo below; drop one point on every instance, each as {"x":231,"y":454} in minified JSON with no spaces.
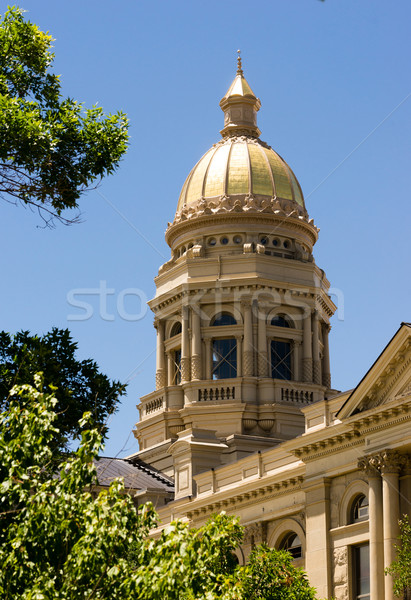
{"x":270,"y":575}
{"x":52,"y":149}
{"x":80,"y":386}
{"x":58,"y":540}
{"x":401,"y":567}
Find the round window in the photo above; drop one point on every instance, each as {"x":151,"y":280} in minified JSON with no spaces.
{"x":237,"y":239}
{"x":212,"y":242}
{"x":286,"y":244}
{"x":224,"y":240}
{"x":276,"y":242}
{"x":264,"y":241}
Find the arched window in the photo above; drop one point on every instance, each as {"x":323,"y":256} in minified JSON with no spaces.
{"x":280,"y":321}
{"x":359,"y":509}
{"x":224,"y":350}
{"x":176,"y":329}
{"x":223,"y":319}
{"x":292,"y":544}
{"x":281,"y":360}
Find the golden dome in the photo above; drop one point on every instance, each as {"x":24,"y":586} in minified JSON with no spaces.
{"x":240,"y":173}
{"x":240,"y":166}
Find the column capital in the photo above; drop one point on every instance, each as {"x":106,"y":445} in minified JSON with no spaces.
{"x":245,"y":302}
{"x":391,"y":462}
{"x":385,"y":462}
{"x":370,"y":466}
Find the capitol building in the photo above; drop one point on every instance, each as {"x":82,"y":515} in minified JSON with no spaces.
{"x":244,"y":418}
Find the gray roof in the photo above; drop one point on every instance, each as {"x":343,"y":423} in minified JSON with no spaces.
{"x":136,"y":474}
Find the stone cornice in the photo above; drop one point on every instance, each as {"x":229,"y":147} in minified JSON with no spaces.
{"x":234,"y":500}
{"x":161,"y":303}
{"x":342,"y":436}
{"x":293,"y":223}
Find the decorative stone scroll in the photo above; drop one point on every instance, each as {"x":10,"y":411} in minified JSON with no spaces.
{"x":256,"y":533}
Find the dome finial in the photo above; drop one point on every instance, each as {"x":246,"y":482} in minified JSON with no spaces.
{"x":240,"y":106}
{"x":239,"y":65}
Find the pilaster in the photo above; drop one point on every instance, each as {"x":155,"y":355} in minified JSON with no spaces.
{"x":307,"y":348}
{"x":160,"y":356}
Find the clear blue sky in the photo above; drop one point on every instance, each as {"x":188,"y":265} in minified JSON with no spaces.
{"x":334,"y":81}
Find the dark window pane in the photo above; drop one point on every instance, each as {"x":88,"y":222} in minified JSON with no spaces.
{"x":280,"y":360}
{"x":224,"y":319}
{"x":280,"y":321}
{"x":176,"y":329}
{"x":292,"y":544}
{"x":359,"y":510}
{"x":177,"y":367}
{"x":224,"y":359}
{"x":361,"y":572}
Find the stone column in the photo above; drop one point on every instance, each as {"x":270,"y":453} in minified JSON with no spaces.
{"x":248,"y":354}
{"x":170,"y":368}
{"x":196,"y":358}
{"x":307,"y":348}
{"x":208,"y":358}
{"x":296,"y":360}
{"x":239,"y":340}
{"x":185,"y":346}
{"x":326,"y":378}
{"x":390,"y":463}
{"x":262,"y":342}
{"x":160,"y":356}
{"x":375,"y":520}
{"x":316,"y":350}
{"x":318,"y":544}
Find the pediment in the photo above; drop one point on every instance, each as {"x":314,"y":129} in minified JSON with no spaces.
{"x":405,"y":391}
{"x":388,"y":379}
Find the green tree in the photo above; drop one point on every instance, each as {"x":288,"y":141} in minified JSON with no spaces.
{"x":52,"y":149}
{"x":59,"y":541}
{"x":270,"y":575}
{"x":401,"y":567}
{"x":80,"y":386}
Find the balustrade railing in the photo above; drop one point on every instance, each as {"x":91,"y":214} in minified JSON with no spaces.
{"x":299,"y":396}
{"x":216,"y":393}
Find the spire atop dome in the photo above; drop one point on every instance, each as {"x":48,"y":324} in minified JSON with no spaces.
{"x":240,"y":106}
{"x":239,"y":66}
